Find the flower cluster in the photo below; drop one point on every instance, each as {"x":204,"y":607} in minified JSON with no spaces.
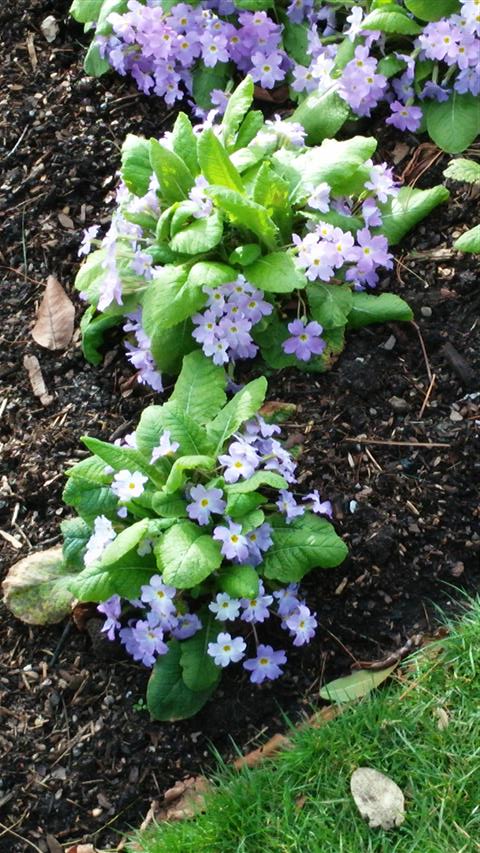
{"x":161,"y":50}
{"x":224,"y":328}
{"x":161,"y":612}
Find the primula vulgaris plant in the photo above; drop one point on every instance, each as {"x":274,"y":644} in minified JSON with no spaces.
{"x":419,"y":57}
{"x":238,"y":238}
{"x":190,"y":537}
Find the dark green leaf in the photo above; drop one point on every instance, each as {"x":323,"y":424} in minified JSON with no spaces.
{"x":427,"y":10}
{"x":321,"y":114}
{"x":386,"y":308}
{"x":198,"y":669}
{"x":308,"y":542}
{"x":200,"y":236}
{"x":168,"y":697}
{"x":76,"y":534}
{"x":276,"y":273}
{"x":239,"y":581}
{"x":200,"y":389}
{"x":186,"y":555}
{"x":401,"y":213}
{"x":184,"y":142}
{"x":240,"y":408}
{"x":454,"y":124}
{"x":330,"y":304}
{"x":246,"y":214}
{"x":205,"y":80}
{"x":136,"y":169}
{"x":174,"y":177}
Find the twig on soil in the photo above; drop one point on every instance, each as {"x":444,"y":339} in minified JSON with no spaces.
{"x":396,"y":443}
{"x":18,"y":142}
{"x":427,"y":396}
{"x":21,"y":837}
{"x":458,"y":364}
{"x":60,"y":644}
{"x":424,"y":351}
{"x":395,"y":657}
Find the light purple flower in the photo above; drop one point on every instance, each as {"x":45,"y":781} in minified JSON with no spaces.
{"x":127,"y":485}
{"x":112,"y":609}
{"x":159,"y":596}
{"x":305,"y":340}
{"x":204,"y":502}
{"x":187,"y":625}
{"x":302,"y":624}
{"x":148,"y":638}
{"x":167,"y":447}
{"x":265,"y":665}
{"x":203,"y":202}
{"x":381,"y":182}
{"x":224,"y":607}
{"x":234,"y":543}
{"x":103,"y":534}
{"x":354,"y":19}
{"x":288,"y":506}
{"x":256,"y":609}
{"x":320,"y":198}
{"x":319,"y":506}
{"x":287,"y":599}
{"x":88,"y":236}
{"x":405,"y":117}
{"x":227,"y":649}
{"x":267,"y":70}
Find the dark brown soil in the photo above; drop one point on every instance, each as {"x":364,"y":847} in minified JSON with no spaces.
{"x":80,"y":763}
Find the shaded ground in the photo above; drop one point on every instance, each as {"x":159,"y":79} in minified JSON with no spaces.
{"x":79,"y":762}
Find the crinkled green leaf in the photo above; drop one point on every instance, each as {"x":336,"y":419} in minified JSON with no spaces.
{"x":125,"y":578}
{"x":385,"y":308}
{"x":168,"y":697}
{"x":186,"y":555}
{"x":245,"y":214}
{"x":200,"y":388}
{"x":215,"y":163}
{"x":276,"y":273}
{"x":329,"y":304}
{"x":239,"y":409}
{"x":239,"y":581}
{"x":136,"y":169}
{"x":176,"y":477}
{"x":199,"y":672}
{"x":260,"y":478}
{"x":462,"y":169}
{"x":85,"y":11}
{"x":125,"y":542}
{"x":184,"y":142}
{"x":469,"y":241}
{"x":401,"y":213}
{"x":174,"y":177}
{"x":308,"y":542}
{"x":238,"y":105}
{"x":76,"y":534}
{"x":322,"y":114}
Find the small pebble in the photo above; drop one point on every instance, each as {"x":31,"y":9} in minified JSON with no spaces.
{"x":390,"y":343}
{"x":426,"y":311}
{"x":399,"y":405}
{"x":49,"y":28}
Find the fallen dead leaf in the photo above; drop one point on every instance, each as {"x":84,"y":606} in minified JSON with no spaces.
{"x":181,"y":802}
{"x":55,"y":318}
{"x":271,"y":96}
{"x":32,"y":366}
{"x":82,"y":848}
{"x":442,"y":717}
{"x":66,"y":221}
{"x":53,"y":845}
{"x":275,"y":744}
{"x":378,"y":799}
{"x":49,"y":28}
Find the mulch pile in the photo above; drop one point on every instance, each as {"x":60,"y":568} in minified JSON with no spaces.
{"x":81,"y":760}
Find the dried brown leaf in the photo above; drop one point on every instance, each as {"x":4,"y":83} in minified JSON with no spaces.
{"x":53,"y":845}
{"x":275,"y":744}
{"x":55,"y":319}
{"x":378,"y":799}
{"x":181,"y":802}
{"x":82,"y":848}
{"x":32,"y":366}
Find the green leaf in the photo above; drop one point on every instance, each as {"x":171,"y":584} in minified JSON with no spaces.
{"x":94,"y":65}
{"x":249,"y":128}
{"x":169,"y":346}
{"x":260,"y":478}
{"x":210,"y":274}
{"x":401,"y":213}
{"x":239,"y":505}
{"x":92,"y":328}
{"x":174,"y":177}
{"x":89,"y":499}
{"x":108,"y":6}
{"x":168,"y":697}
{"x":245,"y":214}
{"x":118,"y":457}
{"x":321,"y":114}
{"x":76,"y":534}
{"x":454,"y":124}
{"x":199,"y":672}
{"x":385,"y":308}
{"x":176,"y":477}
{"x":272,"y":192}
{"x":85,"y":11}
{"x":186,"y":556}
{"x":125,"y":542}
{"x":239,"y":581}
{"x":469,"y":241}
{"x":200,"y":236}
{"x":125,"y":578}
{"x":215,"y":163}
{"x":428,"y":11}
{"x":169,"y":506}
{"x":184,"y":142}
{"x":276,"y":273}
{"x":136,"y":169}
{"x":461,"y":169}
{"x":354,"y":686}
{"x":170,"y":298}
{"x":192,"y":437}
{"x":391,"y":21}
{"x":307,"y":543}
{"x":200,"y":389}
{"x":390,"y":65}
{"x":295,"y":40}
{"x":245,"y":255}
{"x":36,"y":589}
{"x":238,"y":105}
{"x":330,"y":304}
{"x":205,"y":80}
{"x":91,"y":469}
{"x":239,"y":409}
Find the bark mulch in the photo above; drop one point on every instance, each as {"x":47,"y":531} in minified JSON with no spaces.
{"x":81,"y":760}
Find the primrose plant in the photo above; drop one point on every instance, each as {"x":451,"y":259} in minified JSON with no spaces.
{"x":418,"y":57}
{"x":239,"y":239}
{"x":467,"y":171}
{"x":192,"y":539}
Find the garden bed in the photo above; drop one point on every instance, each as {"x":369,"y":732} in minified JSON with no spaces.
{"x":81,"y":763}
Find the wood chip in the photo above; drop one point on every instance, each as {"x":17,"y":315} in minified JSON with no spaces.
{"x":32,"y":53}
{"x":32,"y":366}
{"x":15,"y":543}
{"x":55,"y":319}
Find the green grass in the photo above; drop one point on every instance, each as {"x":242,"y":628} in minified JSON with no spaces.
{"x":300,"y":801}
